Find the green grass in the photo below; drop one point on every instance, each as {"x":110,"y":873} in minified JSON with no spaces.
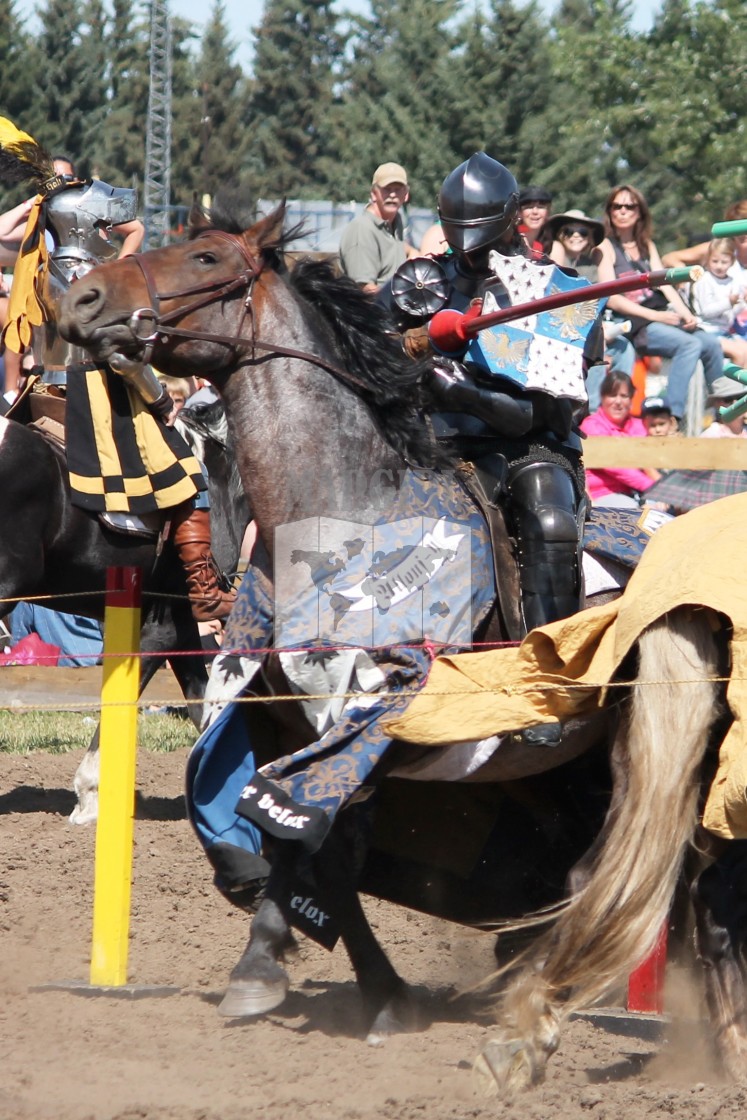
{"x":61,"y":732}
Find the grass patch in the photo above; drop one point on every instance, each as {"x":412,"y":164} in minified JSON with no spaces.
{"x":62,"y":732}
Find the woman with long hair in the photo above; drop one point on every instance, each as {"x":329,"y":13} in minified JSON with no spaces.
{"x":663,"y":324}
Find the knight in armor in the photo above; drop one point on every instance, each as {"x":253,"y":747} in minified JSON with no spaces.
{"x":539,"y":453}
{"x":123,"y":459}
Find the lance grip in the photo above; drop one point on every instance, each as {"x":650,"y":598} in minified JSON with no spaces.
{"x":450,"y":331}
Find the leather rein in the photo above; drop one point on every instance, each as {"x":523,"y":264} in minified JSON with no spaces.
{"x":161,"y":326}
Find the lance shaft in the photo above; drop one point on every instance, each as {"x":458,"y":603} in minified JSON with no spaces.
{"x":450,"y":330}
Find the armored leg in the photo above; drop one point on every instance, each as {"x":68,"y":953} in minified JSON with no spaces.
{"x":543,"y":507}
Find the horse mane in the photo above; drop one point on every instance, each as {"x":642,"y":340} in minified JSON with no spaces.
{"x":369,"y":347}
{"x":359,"y":330}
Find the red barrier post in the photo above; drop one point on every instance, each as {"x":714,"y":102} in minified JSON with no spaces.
{"x":646,"y":983}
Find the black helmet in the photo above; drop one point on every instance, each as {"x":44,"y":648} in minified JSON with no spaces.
{"x":477,"y":203}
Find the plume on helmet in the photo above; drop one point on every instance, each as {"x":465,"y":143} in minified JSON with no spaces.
{"x":23,"y":160}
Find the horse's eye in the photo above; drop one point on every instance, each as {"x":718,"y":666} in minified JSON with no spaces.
{"x":206,"y":257}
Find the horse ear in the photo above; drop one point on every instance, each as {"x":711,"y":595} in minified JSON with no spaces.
{"x":198,"y":219}
{"x":268,"y":233}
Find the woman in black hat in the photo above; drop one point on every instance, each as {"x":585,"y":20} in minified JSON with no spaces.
{"x":534,"y":210}
{"x":574,"y":239}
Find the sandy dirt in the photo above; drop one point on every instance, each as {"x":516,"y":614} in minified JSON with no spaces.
{"x":70,"y":1057}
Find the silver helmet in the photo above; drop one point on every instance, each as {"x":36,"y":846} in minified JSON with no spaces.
{"x":75,"y":216}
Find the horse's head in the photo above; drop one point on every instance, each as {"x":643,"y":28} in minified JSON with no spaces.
{"x":184,"y":306}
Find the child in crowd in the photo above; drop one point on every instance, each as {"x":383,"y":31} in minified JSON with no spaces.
{"x":657,"y":417}
{"x":719,"y":295}
{"x":725,"y":391}
{"x":179,"y":389}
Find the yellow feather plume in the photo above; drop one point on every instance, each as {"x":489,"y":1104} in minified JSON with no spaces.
{"x":22,"y":159}
{"x":11,"y":135}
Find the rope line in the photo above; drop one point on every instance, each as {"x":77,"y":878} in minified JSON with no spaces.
{"x":280,"y":698}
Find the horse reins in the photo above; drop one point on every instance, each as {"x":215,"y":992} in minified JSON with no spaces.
{"x":211,"y":292}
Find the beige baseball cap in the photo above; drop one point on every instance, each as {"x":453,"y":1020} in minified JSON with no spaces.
{"x":388,"y":173}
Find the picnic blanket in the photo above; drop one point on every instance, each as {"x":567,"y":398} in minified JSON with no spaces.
{"x":565,"y":669}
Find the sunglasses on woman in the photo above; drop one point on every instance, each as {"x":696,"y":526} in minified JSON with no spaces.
{"x":624,"y":206}
{"x":568,"y":231}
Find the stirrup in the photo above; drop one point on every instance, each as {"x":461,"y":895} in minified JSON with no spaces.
{"x":542,"y":735}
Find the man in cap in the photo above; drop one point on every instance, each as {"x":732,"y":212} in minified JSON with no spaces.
{"x":534,"y":210}
{"x":372,"y":246}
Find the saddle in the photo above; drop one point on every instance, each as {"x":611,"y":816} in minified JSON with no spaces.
{"x":484,"y":479}
{"x":482,"y":471}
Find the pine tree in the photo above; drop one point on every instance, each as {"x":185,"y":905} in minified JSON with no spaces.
{"x":119,"y":148}
{"x":71,"y":85}
{"x":503,"y":88}
{"x":223,"y":93}
{"x":584,"y":136}
{"x":186,"y":113}
{"x":17,"y":86}
{"x":395,"y":99}
{"x":297,"y":47}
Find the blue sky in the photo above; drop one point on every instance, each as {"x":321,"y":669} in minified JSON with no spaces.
{"x":243,"y":15}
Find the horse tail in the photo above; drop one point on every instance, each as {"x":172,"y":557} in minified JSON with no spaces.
{"x":613,"y":922}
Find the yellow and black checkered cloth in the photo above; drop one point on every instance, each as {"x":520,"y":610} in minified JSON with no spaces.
{"x":120,"y":457}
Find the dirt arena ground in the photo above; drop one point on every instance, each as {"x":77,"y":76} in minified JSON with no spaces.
{"x":67,"y":1057}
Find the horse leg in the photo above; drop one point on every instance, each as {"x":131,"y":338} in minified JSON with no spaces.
{"x":612,"y":923}
{"x":258,"y":983}
{"x":719,"y":897}
{"x":174,"y":630}
{"x":386,"y":997}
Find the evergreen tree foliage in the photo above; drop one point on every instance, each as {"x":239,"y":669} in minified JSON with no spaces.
{"x":297,"y":47}
{"x":223,"y":91}
{"x":17,"y":85}
{"x":119,"y":148}
{"x":503,"y":87}
{"x":71,"y":85}
{"x":395,"y":97}
{"x":592,"y":120}
{"x":577,"y":101}
{"x":186,"y":113}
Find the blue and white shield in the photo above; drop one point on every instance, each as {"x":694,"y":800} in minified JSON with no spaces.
{"x":545,"y":351}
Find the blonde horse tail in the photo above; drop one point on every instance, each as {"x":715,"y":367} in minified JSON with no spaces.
{"x":613,"y":922}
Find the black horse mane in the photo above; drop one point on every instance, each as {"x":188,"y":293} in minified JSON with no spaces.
{"x":363,"y":336}
{"x":371,"y":350}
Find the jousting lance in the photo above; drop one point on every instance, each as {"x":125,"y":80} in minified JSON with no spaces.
{"x":450,"y":331}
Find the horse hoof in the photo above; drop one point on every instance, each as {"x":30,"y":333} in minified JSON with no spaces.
{"x":249,"y":997}
{"x":85,"y":812}
{"x":505,"y":1068}
{"x":399,"y":1016}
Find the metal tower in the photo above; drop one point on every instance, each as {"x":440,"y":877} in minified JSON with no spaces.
{"x":158,"y":136}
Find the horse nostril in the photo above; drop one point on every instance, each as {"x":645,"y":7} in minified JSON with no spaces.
{"x":87,"y":301}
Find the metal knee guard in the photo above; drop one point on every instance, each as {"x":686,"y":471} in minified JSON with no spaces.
{"x":543,"y":507}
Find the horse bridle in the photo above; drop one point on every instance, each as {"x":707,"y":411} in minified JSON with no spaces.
{"x":210,"y":292}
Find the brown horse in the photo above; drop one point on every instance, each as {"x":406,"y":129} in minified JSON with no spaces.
{"x":294,"y":361}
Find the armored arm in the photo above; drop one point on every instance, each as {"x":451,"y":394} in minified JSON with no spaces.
{"x":145,"y":383}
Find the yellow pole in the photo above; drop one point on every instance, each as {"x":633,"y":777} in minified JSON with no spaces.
{"x":118,"y":751}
